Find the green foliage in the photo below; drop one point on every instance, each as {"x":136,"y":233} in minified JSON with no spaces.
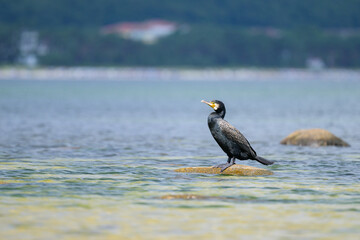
{"x":222,"y":33}
{"x":8,"y":44}
{"x":276,"y":13}
{"x":203,"y":46}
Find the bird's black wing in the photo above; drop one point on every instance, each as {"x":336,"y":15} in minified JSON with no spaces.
{"x":234,"y":135}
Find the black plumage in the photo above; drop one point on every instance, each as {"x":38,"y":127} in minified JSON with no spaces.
{"x":231,"y":141}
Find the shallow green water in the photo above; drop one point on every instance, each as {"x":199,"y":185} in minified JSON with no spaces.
{"x":93,"y":160}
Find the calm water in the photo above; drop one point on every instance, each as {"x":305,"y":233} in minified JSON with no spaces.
{"x":92,"y":160}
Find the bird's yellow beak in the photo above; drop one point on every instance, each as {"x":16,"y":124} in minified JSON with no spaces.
{"x":211,"y":104}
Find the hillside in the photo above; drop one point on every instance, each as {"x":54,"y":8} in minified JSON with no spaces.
{"x":275,"y":13}
{"x":221,"y":33}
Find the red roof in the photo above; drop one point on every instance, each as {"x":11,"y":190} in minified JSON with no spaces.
{"x":124,"y":27}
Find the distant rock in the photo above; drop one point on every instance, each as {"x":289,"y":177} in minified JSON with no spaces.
{"x":236,"y":169}
{"x":313,"y":137}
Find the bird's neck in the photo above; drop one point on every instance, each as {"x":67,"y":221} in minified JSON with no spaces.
{"x":215,"y":115}
{"x":222,"y":113}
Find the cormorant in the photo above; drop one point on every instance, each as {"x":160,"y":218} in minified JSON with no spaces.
{"x":231,"y":141}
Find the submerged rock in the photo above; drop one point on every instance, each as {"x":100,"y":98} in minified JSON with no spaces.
{"x":184,"y":197}
{"x":236,"y":169}
{"x":193,"y":197}
{"x":313,"y":137}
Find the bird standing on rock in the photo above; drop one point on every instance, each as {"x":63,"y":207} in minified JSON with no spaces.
{"x":231,"y":141}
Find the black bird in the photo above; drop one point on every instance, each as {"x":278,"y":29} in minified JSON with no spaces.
{"x":231,"y":141}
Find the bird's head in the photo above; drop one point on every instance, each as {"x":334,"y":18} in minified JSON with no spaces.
{"x":217,"y":105}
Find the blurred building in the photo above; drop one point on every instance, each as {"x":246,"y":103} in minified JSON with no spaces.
{"x":147,"y":32}
{"x":30,"y":48}
{"x":315,"y":63}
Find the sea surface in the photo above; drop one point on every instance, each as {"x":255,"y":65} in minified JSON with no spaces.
{"x":96,"y":160}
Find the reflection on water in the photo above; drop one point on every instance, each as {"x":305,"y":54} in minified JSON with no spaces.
{"x":94,"y":159}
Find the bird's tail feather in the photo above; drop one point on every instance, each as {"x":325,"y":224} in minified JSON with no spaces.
{"x":263,"y":160}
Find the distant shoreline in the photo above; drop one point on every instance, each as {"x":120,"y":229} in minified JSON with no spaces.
{"x":173,"y":74}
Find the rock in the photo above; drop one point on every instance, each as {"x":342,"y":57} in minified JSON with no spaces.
{"x":236,"y":169}
{"x":313,"y":137}
{"x":184,"y":197}
{"x":193,"y":197}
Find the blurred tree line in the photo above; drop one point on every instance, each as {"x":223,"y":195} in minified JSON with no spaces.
{"x":276,"y":33}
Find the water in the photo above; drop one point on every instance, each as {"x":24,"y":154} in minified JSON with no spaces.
{"x":94,"y":160}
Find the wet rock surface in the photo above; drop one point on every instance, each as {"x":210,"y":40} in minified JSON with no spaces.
{"x":313,"y":137}
{"x":236,"y":169}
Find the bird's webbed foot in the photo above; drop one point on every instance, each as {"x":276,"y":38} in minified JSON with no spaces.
{"x":225,"y":165}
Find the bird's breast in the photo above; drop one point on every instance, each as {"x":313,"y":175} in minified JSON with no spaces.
{"x":219,"y":136}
